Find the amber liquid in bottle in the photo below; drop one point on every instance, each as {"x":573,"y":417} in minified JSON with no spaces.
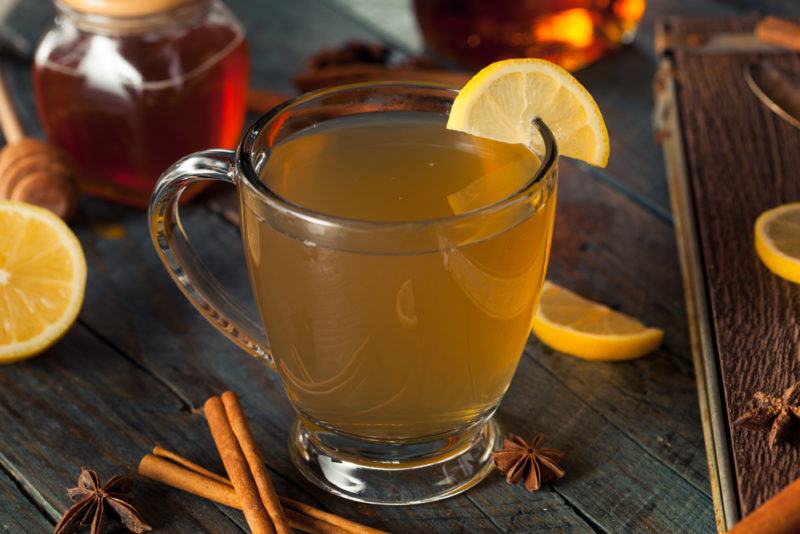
{"x":572,"y":33}
{"x":125,"y":114}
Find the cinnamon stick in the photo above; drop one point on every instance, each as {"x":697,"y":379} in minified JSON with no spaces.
{"x":178,"y":476}
{"x":779,"y":32}
{"x":255,"y":512}
{"x":266,"y":490}
{"x":175,"y":471}
{"x":327,"y":518}
{"x":779,"y":515}
{"x":180,"y":460}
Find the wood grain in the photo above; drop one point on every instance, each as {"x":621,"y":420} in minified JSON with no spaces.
{"x":596,"y":253}
{"x":84,"y":404}
{"x":17,"y":511}
{"x":742,"y":160}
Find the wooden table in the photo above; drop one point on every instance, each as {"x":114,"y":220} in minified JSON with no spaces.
{"x":139,"y":363}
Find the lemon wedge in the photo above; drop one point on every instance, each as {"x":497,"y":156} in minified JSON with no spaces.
{"x":777,"y":236}
{"x":574,"y":325}
{"x":405,"y":304}
{"x":501,"y":101}
{"x":42,"y":279}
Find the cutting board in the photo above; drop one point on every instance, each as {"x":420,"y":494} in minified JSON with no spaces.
{"x":728,"y":159}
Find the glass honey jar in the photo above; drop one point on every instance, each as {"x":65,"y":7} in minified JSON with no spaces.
{"x":126,"y":87}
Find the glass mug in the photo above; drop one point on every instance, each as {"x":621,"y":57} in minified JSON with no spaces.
{"x":395,"y":338}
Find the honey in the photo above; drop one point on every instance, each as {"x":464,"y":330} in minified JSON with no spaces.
{"x":126,"y":97}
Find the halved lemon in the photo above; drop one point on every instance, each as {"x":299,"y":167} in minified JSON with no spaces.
{"x":502,"y":100}
{"x":574,"y":325}
{"x":42,"y":279}
{"x":777,"y":233}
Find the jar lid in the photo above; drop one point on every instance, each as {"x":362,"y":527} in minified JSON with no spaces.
{"x":124,"y":8}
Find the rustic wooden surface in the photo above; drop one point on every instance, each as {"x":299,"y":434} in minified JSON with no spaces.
{"x":137,"y":366}
{"x":755,"y":315}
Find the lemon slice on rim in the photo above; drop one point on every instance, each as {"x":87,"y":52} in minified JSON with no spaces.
{"x":42,"y":279}
{"x":405,"y":304}
{"x":777,"y":236}
{"x":501,"y":101}
{"x":574,"y":325}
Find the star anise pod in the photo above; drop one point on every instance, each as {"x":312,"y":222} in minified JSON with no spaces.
{"x":779,"y":414}
{"x":521,"y":460}
{"x":91,"y":499}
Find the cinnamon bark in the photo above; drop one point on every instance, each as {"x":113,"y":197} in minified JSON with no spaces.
{"x":269,"y":497}
{"x":779,"y":515}
{"x":779,"y":32}
{"x":175,"y":471}
{"x":237,"y":467}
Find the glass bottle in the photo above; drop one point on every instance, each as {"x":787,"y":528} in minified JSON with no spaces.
{"x":128,"y":86}
{"x":572,"y":33}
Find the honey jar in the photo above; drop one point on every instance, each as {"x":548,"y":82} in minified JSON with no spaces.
{"x":126,"y":87}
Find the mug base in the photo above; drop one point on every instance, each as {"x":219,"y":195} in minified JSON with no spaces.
{"x":410,"y":480}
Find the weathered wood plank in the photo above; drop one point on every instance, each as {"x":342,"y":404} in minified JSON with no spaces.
{"x":754,"y":314}
{"x":608,"y":249}
{"x":83,"y":404}
{"x":613,"y":481}
{"x":17,"y":512}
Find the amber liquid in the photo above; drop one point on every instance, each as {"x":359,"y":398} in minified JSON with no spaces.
{"x":572,"y":33}
{"x":123,"y":129}
{"x":397,"y":346}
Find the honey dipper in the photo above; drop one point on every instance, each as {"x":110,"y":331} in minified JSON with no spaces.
{"x":32,"y":170}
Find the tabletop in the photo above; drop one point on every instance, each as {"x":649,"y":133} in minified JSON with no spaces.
{"x":138,"y":364}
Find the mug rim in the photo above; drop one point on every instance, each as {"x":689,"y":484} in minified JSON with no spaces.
{"x":244,"y":162}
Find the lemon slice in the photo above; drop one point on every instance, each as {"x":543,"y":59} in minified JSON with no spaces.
{"x":501,"y":101}
{"x":493,"y":186}
{"x":778,"y":240}
{"x":405,"y":304}
{"x":574,"y":325}
{"x":42,"y":279}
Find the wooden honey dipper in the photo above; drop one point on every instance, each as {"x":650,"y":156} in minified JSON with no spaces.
{"x":32,"y":170}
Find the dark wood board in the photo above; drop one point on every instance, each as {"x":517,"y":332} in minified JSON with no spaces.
{"x":732,"y":159}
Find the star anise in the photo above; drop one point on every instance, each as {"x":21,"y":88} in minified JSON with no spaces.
{"x":521,"y":460}
{"x":91,"y":499}
{"x":779,"y":414}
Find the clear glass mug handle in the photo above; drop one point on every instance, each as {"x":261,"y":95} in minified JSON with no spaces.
{"x":184,"y":265}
